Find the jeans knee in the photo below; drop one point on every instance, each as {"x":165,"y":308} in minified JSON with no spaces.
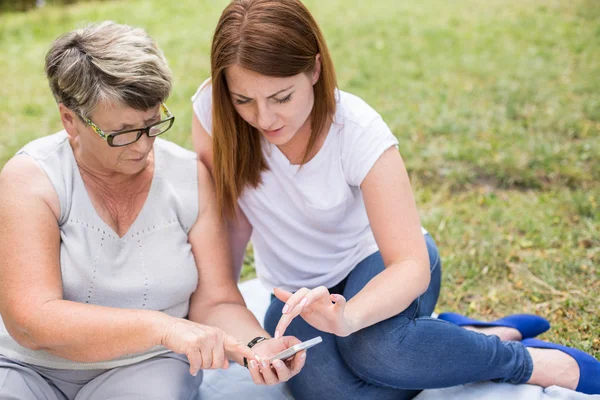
{"x":374,"y":348}
{"x":312,"y":382}
{"x":324,"y":373}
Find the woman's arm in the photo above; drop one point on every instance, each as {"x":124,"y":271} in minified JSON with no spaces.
{"x":395,"y":223}
{"x":217,"y":300}
{"x":32,"y":307}
{"x":240,"y":230}
{"x":219,"y":248}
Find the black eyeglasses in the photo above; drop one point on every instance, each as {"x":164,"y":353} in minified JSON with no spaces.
{"x":123,"y":138}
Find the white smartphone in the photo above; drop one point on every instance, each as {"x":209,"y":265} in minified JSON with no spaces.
{"x":284,"y":355}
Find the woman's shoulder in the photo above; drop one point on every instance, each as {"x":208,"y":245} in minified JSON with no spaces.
{"x":359,"y":123}
{"x":202,"y":104}
{"x":354,"y":112}
{"x":203,"y":92}
{"x":173,"y":151}
{"x":25,"y":177}
{"x":176,"y":165}
{"x":176,"y":178}
{"x":48,"y":164}
{"x":362,"y":136}
{"x":45,"y":146}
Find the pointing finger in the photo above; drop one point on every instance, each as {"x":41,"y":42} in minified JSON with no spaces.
{"x":231,"y":344}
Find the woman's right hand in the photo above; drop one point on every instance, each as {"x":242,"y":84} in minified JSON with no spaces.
{"x":206,"y":347}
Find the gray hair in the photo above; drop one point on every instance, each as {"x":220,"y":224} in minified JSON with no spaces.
{"x":107,"y":62}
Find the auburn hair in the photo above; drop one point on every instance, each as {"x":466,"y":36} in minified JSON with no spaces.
{"x":278,"y":38}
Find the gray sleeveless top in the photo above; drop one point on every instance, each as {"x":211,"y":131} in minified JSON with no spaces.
{"x":151,"y":267}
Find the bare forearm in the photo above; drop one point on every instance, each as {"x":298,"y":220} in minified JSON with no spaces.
{"x":89,"y":333}
{"x":233,"y":318}
{"x":387,"y":294}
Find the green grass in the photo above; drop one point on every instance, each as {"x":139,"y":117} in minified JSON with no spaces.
{"x":496,"y":105}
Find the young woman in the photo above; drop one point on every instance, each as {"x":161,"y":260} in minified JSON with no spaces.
{"x":313,"y":176}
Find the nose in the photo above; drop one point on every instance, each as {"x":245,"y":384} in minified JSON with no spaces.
{"x":265,"y":117}
{"x":143,"y":145}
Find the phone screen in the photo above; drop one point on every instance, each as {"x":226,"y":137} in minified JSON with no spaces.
{"x":284,"y":355}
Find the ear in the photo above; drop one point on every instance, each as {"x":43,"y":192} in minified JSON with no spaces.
{"x":316,"y":73}
{"x":69,"y":119}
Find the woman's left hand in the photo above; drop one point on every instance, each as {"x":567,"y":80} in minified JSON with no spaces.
{"x":317,"y":307}
{"x":265,"y":373}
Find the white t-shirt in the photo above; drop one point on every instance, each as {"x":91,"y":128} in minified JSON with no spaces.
{"x":310,"y":226}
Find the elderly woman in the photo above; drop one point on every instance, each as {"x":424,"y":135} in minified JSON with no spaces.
{"x":115,"y":278}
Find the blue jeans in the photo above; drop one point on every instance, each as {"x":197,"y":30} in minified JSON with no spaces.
{"x":398,"y":357}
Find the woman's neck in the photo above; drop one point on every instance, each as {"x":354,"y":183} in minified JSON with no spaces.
{"x":111,"y":183}
{"x":295,"y":149}
{"x":117,"y":186}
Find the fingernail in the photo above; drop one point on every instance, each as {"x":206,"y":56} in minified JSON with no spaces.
{"x":277,"y":364}
{"x":285,"y":309}
{"x":265,"y":364}
{"x":303,"y":302}
{"x":195,"y":373}
{"x":252,"y":364}
{"x":277,"y":334}
{"x":303,"y":356}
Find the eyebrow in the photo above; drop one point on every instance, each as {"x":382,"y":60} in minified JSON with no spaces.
{"x":128,"y":126}
{"x":270,"y":97}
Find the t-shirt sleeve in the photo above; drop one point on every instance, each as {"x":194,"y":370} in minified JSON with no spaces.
{"x":362,"y":147}
{"x":202,"y":104}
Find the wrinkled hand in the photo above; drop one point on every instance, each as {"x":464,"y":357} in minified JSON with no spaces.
{"x":279,"y":371}
{"x":204,"y":346}
{"x":317,"y":307}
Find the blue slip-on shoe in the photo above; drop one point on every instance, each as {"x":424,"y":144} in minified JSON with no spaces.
{"x":528,"y":325}
{"x":589,"y":367}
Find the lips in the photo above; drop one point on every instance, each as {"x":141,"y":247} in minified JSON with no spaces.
{"x":273,"y":132}
{"x":137,"y":159}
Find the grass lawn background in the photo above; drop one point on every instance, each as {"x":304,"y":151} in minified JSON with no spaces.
{"x":496,"y":105}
